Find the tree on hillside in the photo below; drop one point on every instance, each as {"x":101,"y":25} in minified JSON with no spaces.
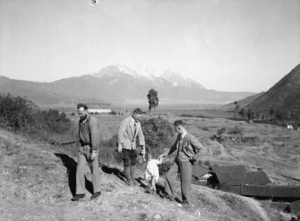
{"x":271,"y":113}
{"x":236,"y":108}
{"x":152,"y":99}
{"x":242,"y":113}
{"x":278,"y":115}
{"x":286,"y":115}
{"x":250,"y":114}
{"x":257,"y":115}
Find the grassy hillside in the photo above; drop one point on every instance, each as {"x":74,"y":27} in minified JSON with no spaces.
{"x":37,"y":179}
{"x":37,"y":182}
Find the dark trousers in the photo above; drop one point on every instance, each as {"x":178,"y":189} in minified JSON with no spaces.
{"x":129,"y":157}
{"x":185,"y":169}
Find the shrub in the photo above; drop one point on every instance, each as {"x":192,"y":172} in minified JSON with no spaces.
{"x":21,"y":115}
{"x":16,"y":113}
{"x":236,"y":130}
{"x":113,"y":112}
{"x":221,"y":131}
{"x":250,"y":139}
{"x":205,"y":128}
{"x":53,"y":121}
{"x":158,"y":134}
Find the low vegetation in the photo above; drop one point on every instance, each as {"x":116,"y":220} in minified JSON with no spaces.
{"x":23,"y":116}
{"x":271,"y":116}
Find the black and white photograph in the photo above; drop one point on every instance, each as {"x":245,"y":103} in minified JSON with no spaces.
{"x":150,"y":110}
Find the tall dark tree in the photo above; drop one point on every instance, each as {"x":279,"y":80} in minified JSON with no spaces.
{"x":250,"y":114}
{"x":152,"y":99}
{"x":242,"y":113}
{"x":236,"y":108}
{"x":272,"y":113}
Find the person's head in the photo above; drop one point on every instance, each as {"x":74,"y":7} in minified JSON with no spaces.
{"x":137,"y":114}
{"x":149,"y":156}
{"x":179,"y":126}
{"x":82,"y":111}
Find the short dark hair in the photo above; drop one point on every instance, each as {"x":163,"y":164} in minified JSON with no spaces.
{"x":178,"y":123}
{"x":149,"y":154}
{"x":137,"y":111}
{"x":80,"y":105}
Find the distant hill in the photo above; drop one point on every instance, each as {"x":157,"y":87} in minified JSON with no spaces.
{"x":118,"y":84}
{"x":283,"y":96}
{"x":40,"y":93}
{"x":244,"y":102}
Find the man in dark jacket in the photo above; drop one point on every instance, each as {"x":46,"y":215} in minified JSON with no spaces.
{"x":186,"y":147}
{"x":89,"y":137}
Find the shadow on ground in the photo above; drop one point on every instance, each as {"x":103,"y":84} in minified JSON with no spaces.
{"x":111,"y":170}
{"x":71,"y":164}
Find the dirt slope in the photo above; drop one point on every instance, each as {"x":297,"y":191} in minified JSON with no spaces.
{"x":37,"y":182}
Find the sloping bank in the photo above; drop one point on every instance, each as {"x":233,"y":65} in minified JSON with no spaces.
{"x":226,"y":206}
{"x":37,"y":184}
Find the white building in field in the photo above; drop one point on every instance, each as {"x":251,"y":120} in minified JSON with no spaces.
{"x":99,"y":111}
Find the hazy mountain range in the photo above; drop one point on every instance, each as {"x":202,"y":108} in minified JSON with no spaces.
{"x":118,"y":84}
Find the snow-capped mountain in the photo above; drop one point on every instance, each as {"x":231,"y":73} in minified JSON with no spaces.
{"x":119,"y":83}
{"x":166,"y":78}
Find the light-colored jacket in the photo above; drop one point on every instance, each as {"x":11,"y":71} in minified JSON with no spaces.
{"x":126,"y":136}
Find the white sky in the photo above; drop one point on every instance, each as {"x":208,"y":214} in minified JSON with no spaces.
{"x":230,"y":45}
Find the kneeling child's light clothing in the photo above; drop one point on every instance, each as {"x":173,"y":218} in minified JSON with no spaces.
{"x":152,"y":170}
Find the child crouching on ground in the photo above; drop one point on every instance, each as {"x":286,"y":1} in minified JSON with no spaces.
{"x":152,"y":172}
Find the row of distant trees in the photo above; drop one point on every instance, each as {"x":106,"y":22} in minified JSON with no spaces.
{"x":272,"y":114}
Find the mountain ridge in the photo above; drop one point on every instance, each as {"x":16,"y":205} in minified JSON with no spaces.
{"x":117,"y":84}
{"x":284,"y":95}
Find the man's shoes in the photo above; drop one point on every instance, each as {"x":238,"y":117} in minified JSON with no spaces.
{"x":129,"y":182}
{"x":134,"y":182}
{"x":95,"y":195}
{"x":170,"y":198}
{"x":78,"y":197}
{"x":150,"y":190}
{"x":189,"y":206}
{"x":166,"y":196}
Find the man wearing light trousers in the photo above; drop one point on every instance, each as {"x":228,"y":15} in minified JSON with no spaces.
{"x":89,"y":137}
